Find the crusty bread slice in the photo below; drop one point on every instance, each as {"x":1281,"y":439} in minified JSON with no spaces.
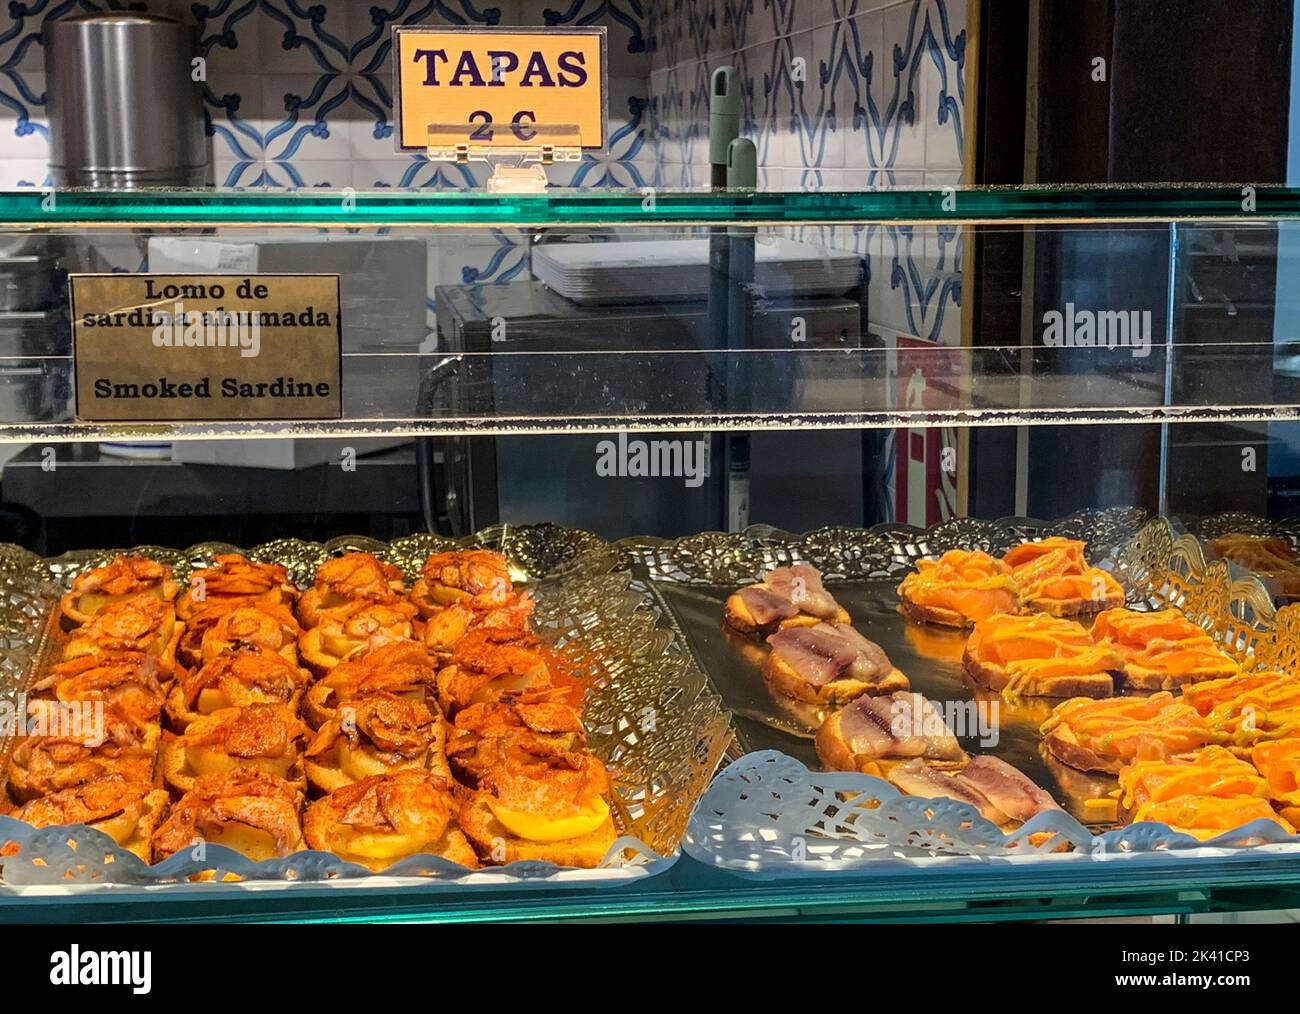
{"x":936,"y":615}
{"x":1062,"y":743}
{"x":1141,"y":678}
{"x":993,"y":677}
{"x":494,"y":844}
{"x":739,"y":618}
{"x":1069,"y":608}
{"x":783,"y":678}
{"x":836,"y":753}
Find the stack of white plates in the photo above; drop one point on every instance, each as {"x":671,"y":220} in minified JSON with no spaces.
{"x":641,"y":271}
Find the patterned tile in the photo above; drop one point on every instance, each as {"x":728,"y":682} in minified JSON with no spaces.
{"x":837,"y":94}
{"x":20,"y":172}
{"x":299,"y":94}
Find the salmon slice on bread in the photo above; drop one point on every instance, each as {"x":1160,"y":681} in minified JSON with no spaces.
{"x":1104,"y":735}
{"x":1038,"y":656}
{"x":959,"y":589}
{"x":1162,"y":649}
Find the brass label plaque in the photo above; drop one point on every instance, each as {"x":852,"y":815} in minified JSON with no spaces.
{"x":197,"y":348}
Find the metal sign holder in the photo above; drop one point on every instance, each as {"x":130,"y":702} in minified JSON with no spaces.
{"x":516,"y":168}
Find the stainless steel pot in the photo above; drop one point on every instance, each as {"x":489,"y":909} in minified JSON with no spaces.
{"x":124,"y":109}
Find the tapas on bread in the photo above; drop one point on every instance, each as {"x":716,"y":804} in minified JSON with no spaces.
{"x":384,"y":818}
{"x":444,"y":629}
{"x":1038,"y":655}
{"x":535,"y":802}
{"x":264,"y":737}
{"x":1104,"y":735}
{"x":349,"y":630}
{"x":279,"y":617}
{"x":783,"y":597}
{"x":1212,"y":771}
{"x":269,"y":626}
{"x":122,"y":578}
{"x":1248,"y":708}
{"x":402,"y":668}
{"x":490,"y":663}
{"x":477,"y":578}
{"x":375,"y":735}
{"x":1203,"y":794}
{"x":251,"y":811}
{"x":346,"y":579}
{"x":830,"y":663}
{"x":1206,"y":817}
{"x":959,"y":589}
{"x":239,"y":678}
{"x":1162,"y":649}
{"x":234,"y":579}
{"x":896,"y":726}
{"x":127,"y":683}
{"x":62,"y":750}
{"x":543,"y":718}
{"x":1000,"y":792}
{"x":143,"y":624}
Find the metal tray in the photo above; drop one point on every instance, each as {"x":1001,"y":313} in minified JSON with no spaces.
{"x":929,"y":656}
{"x":650,"y":713}
{"x":1158,"y":567}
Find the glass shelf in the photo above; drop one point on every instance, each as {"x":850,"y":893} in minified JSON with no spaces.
{"x":328,"y":208}
{"x":495,"y":393}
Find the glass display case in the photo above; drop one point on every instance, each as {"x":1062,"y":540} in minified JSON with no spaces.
{"x":908,"y":553}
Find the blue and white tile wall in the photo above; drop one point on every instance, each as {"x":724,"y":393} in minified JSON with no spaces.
{"x":837,"y":94}
{"x":299,"y":95}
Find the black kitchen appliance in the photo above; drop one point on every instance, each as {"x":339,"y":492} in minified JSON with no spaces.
{"x":483,"y":480}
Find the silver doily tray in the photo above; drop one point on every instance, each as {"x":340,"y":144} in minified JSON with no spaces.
{"x":651,"y":715}
{"x":768,"y":814}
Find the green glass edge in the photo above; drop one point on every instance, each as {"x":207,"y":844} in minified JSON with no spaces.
{"x":689,"y":890}
{"x":646,"y":206}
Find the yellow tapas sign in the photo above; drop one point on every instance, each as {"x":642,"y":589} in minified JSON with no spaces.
{"x":516,"y":88}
